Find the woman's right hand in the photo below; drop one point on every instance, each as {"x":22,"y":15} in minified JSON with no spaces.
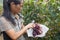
{"x":30,"y":25}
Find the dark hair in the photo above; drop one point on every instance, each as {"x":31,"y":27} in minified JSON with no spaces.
{"x":6,"y":8}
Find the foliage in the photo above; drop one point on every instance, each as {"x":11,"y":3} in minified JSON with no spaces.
{"x":1,"y":9}
{"x":47,"y":13}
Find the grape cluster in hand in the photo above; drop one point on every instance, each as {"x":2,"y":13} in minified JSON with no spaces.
{"x":36,"y":30}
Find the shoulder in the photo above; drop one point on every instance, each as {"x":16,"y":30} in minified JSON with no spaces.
{"x":4,"y":24}
{"x":2,"y":19}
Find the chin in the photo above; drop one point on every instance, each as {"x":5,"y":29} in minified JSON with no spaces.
{"x":17,"y":12}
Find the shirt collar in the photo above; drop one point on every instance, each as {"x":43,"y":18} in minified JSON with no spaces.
{"x":17,"y":16}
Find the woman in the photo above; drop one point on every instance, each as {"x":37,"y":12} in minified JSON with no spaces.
{"x":11,"y":22}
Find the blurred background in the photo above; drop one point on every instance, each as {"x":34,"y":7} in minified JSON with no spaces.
{"x":46,"y":12}
{"x":1,"y":4}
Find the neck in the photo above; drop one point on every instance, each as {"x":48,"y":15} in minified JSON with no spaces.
{"x":13,"y":13}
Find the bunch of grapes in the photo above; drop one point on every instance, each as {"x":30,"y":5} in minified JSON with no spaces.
{"x":36,"y":30}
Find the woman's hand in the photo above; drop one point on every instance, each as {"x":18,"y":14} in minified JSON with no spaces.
{"x":30,"y":25}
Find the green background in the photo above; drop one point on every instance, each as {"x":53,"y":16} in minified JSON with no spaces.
{"x":43,"y":12}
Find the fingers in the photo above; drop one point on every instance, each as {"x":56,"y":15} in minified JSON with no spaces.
{"x":32,"y":25}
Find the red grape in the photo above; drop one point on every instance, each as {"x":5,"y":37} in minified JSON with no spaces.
{"x":36,"y":30}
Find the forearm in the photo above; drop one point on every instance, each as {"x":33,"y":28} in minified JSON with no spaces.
{"x":19,"y":33}
{"x":23,"y":27}
{"x":14,"y":35}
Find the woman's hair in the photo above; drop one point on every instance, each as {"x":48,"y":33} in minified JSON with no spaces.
{"x":7,"y":11}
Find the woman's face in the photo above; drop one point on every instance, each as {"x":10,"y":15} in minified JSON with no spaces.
{"x":16,"y":8}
